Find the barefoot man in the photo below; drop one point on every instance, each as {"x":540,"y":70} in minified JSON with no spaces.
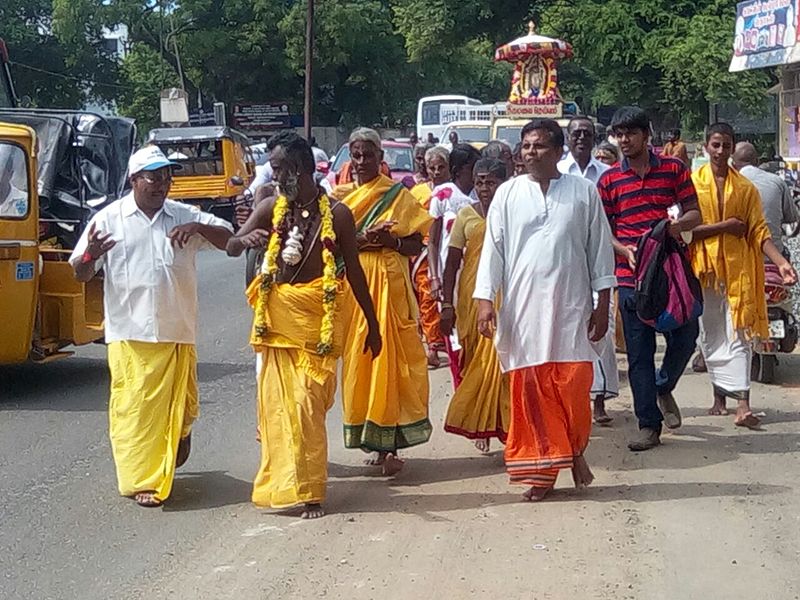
{"x":298,"y":325}
{"x":727,"y":258}
{"x":146,"y":246}
{"x":547,"y":248}
{"x":385,"y":400}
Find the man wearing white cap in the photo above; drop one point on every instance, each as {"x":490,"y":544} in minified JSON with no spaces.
{"x":146,"y":246}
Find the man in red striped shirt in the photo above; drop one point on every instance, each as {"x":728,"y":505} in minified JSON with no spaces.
{"x":637,"y":193}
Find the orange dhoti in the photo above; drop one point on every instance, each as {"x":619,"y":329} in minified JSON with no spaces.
{"x":551,"y":420}
{"x":428,"y":306}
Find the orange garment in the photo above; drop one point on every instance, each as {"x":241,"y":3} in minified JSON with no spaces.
{"x":551,"y":420}
{"x":428,"y":306}
{"x":678,"y":150}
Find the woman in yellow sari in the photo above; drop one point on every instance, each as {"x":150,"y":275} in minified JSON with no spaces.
{"x":437,"y":167}
{"x":479,"y":409}
{"x":385,"y":401}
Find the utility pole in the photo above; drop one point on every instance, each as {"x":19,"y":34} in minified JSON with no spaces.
{"x":309,"y":66}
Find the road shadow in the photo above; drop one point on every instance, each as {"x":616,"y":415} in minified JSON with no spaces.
{"x":205,"y":490}
{"x":368,"y":497}
{"x":78,"y":384}
{"x":419,"y":471}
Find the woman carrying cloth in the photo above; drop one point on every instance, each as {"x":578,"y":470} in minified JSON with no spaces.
{"x":385,"y":401}
{"x":479,"y":408}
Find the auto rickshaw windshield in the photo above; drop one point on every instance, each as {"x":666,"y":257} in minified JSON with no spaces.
{"x":195,"y":157}
{"x":14,"y":193}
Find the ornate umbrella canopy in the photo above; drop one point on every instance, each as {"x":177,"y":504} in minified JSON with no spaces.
{"x":533,"y":45}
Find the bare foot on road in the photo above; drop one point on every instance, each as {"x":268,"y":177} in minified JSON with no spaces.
{"x":147,"y":499}
{"x":719,"y":408}
{"x":536,"y":494}
{"x":581,"y":473}
{"x":392,"y":465}
{"x":312,"y":511}
{"x":600,"y":416}
{"x":483,"y":446}
{"x":747,"y":419}
{"x":375,"y":459}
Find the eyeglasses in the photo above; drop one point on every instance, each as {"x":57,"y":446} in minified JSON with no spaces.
{"x":580,"y":133}
{"x":152,"y":178}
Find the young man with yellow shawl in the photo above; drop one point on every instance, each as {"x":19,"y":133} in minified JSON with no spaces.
{"x":298,"y":325}
{"x":146,"y":245}
{"x":385,"y":400}
{"x":547,"y":248}
{"x":437,"y":168}
{"x":727,"y":258}
{"x":479,"y":407}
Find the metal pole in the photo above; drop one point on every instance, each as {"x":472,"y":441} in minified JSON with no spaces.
{"x":309,"y":64}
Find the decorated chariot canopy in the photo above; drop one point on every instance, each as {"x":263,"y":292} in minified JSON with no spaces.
{"x":534,"y":83}
{"x":533,"y":45}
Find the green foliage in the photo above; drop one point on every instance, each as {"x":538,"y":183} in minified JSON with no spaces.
{"x":53,"y":67}
{"x":145,"y":74}
{"x":668,"y":56}
{"x":375,"y":58}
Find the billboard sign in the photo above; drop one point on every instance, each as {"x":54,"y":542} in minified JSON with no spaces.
{"x":765,"y":34}
{"x":764,"y":25}
{"x":261,"y":117}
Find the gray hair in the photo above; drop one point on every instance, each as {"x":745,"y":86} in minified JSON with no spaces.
{"x":438,"y":151}
{"x":365,"y":134}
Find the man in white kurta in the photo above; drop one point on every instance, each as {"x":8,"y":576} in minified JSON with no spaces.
{"x":146,"y":246}
{"x":547,"y":248}
{"x":579,"y":161}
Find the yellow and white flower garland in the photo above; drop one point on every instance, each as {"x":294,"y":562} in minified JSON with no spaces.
{"x":329,"y":284}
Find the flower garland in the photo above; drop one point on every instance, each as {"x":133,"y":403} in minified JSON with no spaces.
{"x":269,"y":271}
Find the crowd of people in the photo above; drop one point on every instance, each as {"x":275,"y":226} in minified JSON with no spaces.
{"x":517,"y":267}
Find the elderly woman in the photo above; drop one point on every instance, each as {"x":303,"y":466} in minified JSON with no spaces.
{"x":385,"y":400}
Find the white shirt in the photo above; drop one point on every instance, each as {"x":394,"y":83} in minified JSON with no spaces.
{"x":776,"y":200}
{"x":447,"y":209}
{"x":545,"y":254}
{"x":319,"y":154}
{"x":150,"y":287}
{"x":593,"y":170}
{"x":263,"y":176}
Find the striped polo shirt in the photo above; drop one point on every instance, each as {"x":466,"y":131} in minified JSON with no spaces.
{"x":635,"y":204}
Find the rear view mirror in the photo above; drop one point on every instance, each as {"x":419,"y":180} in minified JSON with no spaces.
{"x":236,"y":180}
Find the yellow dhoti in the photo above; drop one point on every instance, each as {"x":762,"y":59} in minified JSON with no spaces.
{"x":153,"y":404}
{"x":385,"y":401}
{"x":296,"y":388}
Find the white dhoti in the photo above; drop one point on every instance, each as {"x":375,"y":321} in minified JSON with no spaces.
{"x":726,"y":351}
{"x":606,"y":374}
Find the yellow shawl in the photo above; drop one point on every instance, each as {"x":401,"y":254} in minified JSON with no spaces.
{"x":729,"y":261}
{"x":405,"y":209}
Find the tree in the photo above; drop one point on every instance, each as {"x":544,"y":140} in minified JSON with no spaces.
{"x":52,"y":67}
{"x":670,"y":57}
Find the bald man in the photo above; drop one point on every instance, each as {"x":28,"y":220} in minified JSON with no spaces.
{"x":776,"y":197}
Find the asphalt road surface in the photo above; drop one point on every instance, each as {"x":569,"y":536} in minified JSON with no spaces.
{"x":713,"y":513}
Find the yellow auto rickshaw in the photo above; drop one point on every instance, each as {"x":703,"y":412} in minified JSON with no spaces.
{"x":216,"y":163}
{"x":57,"y":169}
{"x":44,"y":308}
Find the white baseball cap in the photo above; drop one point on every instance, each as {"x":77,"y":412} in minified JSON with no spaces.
{"x":149,"y":158}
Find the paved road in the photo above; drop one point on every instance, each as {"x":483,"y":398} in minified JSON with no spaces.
{"x":713,"y":513}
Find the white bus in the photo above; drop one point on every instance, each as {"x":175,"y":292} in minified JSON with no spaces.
{"x":429,"y":114}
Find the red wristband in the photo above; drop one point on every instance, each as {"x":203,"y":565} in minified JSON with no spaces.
{"x":87,"y":258}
